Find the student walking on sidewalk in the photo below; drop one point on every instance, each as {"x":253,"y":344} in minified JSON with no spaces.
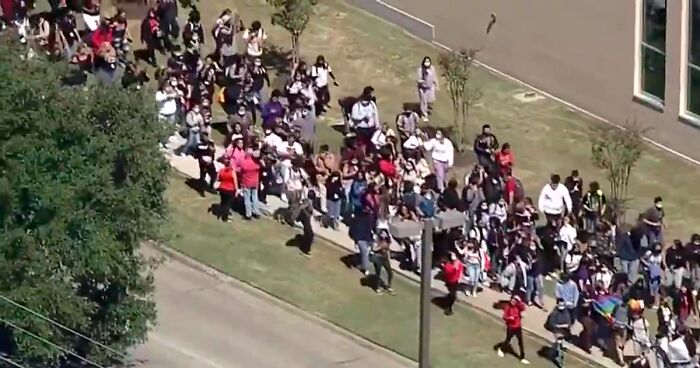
{"x":452,"y":271}
{"x":512,"y":316}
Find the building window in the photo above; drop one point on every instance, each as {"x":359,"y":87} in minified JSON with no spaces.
{"x":693,"y":89}
{"x":653,"y":49}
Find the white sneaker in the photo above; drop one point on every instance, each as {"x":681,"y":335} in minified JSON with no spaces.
{"x":474,"y":294}
{"x":500,"y":353}
{"x":525,"y":361}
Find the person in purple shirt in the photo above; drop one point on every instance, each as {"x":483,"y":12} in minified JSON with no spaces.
{"x":272,"y":110}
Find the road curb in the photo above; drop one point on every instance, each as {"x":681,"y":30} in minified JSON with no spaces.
{"x":254,"y":290}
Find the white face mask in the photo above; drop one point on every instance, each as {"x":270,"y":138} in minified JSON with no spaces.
{"x":426,"y":64}
{"x":226,"y":18}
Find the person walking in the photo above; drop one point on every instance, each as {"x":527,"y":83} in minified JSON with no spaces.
{"x":442,"y":153}
{"x":381,"y":260}
{"x":452,"y":271}
{"x":228,"y":183}
{"x":427,"y":85}
{"x":512,"y":316}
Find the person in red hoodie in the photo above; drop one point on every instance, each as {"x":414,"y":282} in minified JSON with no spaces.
{"x":452,"y":271}
{"x":513,"y":317}
{"x":504,"y":158}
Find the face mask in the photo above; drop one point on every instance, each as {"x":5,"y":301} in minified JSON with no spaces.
{"x":426,"y":64}
{"x":226,"y":18}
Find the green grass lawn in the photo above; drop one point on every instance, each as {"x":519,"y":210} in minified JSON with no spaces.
{"x":256,"y":253}
{"x":546,"y":136}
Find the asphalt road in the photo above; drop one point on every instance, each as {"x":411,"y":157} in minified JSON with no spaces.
{"x":207,"y":322}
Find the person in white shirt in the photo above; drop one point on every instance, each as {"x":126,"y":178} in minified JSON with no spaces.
{"x":442,"y":152}
{"x":380,"y":136}
{"x":554,"y":200}
{"x":166,"y":98}
{"x":271,"y":139}
{"x":365,"y":117}
{"x":255,"y":36}
{"x":320,"y":73}
{"x":567,"y":240}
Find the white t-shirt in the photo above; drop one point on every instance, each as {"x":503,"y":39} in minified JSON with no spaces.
{"x":285,"y":148}
{"x":273,"y":140}
{"x":255,"y":41}
{"x":166,"y":104}
{"x":321,"y":75}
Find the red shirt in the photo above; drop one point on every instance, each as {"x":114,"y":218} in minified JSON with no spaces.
{"x":227,"y":180}
{"x":512,"y":314}
{"x":510,"y":186}
{"x":101,"y":36}
{"x":250,"y":172}
{"x":387,"y":168}
{"x":504,"y":159}
{"x":452,"y":271}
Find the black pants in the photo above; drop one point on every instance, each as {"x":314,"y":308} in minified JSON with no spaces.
{"x":227,"y":197}
{"x":382,"y":262}
{"x":204,"y":170}
{"x":323,"y":97}
{"x":168,"y":23}
{"x":451,"y":297}
{"x":307,"y":237}
{"x":518,"y":334}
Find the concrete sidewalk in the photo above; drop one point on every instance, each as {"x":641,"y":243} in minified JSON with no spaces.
{"x":534,"y":318}
{"x":209,"y":320}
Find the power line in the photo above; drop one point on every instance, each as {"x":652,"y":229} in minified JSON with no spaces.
{"x":50,"y":343}
{"x":123,"y":357}
{"x":11,"y":362}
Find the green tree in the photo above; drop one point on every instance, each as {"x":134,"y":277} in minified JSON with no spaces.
{"x":81,"y":188}
{"x":617,"y":151}
{"x":457,"y":70}
{"x":294,"y":16}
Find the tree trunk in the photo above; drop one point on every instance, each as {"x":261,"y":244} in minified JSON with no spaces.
{"x":295,"y":49}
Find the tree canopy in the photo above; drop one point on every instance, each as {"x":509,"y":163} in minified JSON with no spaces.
{"x":294,"y":16}
{"x":82,"y":186}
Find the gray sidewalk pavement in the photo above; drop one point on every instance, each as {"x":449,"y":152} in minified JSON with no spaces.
{"x":209,"y":320}
{"x":534,"y":318}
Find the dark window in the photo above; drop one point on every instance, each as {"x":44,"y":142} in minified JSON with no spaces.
{"x":653,"y":46}
{"x":694,"y":59}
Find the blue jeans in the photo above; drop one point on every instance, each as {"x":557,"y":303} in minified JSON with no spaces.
{"x":655,"y":235}
{"x":250,"y":200}
{"x":535,"y":288}
{"x":473,"y":273}
{"x":192,"y":141}
{"x":333,"y":209}
{"x":364,"y":247}
{"x":631,"y":268}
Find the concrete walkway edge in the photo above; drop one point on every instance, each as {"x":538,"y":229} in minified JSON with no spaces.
{"x":174,"y":255}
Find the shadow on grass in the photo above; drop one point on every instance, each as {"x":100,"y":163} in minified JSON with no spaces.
{"x":277,"y":59}
{"x":350,"y":260}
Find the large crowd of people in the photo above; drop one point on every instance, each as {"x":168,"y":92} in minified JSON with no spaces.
{"x":607,"y":273}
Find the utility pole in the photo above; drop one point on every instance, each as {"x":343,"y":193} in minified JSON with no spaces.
{"x":425,"y":288}
{"x":410,"y":229}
